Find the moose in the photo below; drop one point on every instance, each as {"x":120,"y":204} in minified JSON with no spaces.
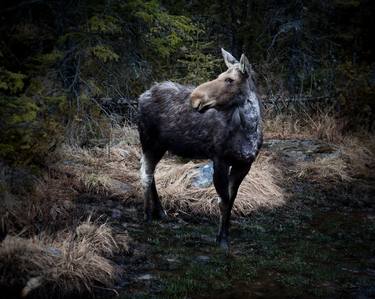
{"x":218,"y":120}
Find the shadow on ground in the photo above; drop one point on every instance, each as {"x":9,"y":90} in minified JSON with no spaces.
{"x":320,"y":244}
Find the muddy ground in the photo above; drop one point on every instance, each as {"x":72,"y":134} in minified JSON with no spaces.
{"x":319,"y":244}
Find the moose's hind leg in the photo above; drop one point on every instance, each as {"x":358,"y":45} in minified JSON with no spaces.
{"x":152,"y":205}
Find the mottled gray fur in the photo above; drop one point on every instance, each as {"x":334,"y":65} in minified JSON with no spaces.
{"x":230,"y":135}
{"x":167,"y":121}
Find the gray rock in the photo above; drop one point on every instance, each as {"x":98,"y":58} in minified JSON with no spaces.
{"x":203,"y":258}
{"x":302,"y":150}
{"x":172,"y":260}
{"x":54,"y":251}
{"x":145,"y":277}
{"x":204,"y":177}
{"x":120,"y":188}
{"x":116,"y":214}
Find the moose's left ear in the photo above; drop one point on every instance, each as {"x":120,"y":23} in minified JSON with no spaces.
{"x":245,"y":67}
{"x":228,"y":58}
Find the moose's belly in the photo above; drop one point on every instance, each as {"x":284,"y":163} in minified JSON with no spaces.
{"x":191,"y":148}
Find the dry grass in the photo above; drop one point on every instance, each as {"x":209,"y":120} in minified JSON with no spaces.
{"x":357,"y":151}
{"x":57,"y":256}
{"x":49,"y":205}
{"x":259,"y":189}
{"x":101,"y":170}
{"x":121,"y":162}
{"x":71,"y":263}
{"x":322,"y":126}
{"x":359,"y":154}
{"x":95,"y":182}
{"x":98,"y":170}
{"x":356,"y":159}
{"x":48,"y":251}
{"x":324,"y":169}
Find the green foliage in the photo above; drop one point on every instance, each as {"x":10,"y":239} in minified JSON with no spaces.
{"x":26,"y":136}
{"x":58,"y":65}
{"x":106,"y":24}
{"x":47,"y":59}
{"x":104,"y":53}
{"x":29,"y":120}
{"x":163,"y":34}
{"x":11,"y":82}
{"x":199,"y":67}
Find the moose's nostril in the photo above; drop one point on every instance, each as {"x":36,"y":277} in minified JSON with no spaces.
{"x":196,"y":99}
{"x":195,"y":102}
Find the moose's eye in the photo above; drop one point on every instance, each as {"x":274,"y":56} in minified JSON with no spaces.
{"x":229,"y":80}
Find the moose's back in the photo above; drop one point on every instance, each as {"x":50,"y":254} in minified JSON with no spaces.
{"x":166,"y":116}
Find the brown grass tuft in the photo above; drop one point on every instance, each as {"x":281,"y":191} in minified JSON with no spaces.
{"x":323,"y":126}
{"x":72,"y":263}
{"x":324,"y":169}
{"x":259,"y":189}
{"x":121,"y":162}
{"x":359,"y":154}
{"x":50,"y":205}
{"x":355,"y":160}
{"x":102,"y":170}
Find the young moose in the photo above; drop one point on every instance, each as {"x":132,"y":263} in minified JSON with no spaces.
{"x":218,"y":120}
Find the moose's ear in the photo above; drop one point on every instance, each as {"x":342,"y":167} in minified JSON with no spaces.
{"x":228,"y":58}
{"x":245,"y":66}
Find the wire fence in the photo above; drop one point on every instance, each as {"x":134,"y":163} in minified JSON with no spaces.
{"x":125,"y":109}
{"x":296,"y":104}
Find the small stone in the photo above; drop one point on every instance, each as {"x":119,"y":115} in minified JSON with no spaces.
{"x":67,"y":204}
{"x":120,"y":188}
{"x":54,"y":251}
{"x":123,"y":153}
{"x":145,"y":277}
{"x":204,"y":177}
{"x":116,"y":214}
{"x":203,"y":258}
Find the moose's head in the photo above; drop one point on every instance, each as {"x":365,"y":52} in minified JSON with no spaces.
{"x":221,"y":91}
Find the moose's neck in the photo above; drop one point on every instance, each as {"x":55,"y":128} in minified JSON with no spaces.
{"x":253,"y":103}
{"x":246,"y":113}
{"x":248,"y":98}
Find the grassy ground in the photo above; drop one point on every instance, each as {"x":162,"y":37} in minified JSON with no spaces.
{"x":320,"y":244}
{"x":309,"y":253}
{"x":303,"y":227}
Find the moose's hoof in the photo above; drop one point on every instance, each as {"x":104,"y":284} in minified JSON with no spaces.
{"x":160,"y":214}
{"x":223,"y":243}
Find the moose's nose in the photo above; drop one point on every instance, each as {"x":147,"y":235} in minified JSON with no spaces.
{"x":196,"y":99}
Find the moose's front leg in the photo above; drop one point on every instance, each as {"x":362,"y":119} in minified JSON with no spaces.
{"x":221,"y":171}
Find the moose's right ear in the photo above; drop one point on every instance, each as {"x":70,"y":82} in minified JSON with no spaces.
{"x":245,"y":66}
{"x":228,"y":58}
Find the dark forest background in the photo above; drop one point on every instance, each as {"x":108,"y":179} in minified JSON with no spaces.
{"x":71,"y":198}
{"x":70,"y":69}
